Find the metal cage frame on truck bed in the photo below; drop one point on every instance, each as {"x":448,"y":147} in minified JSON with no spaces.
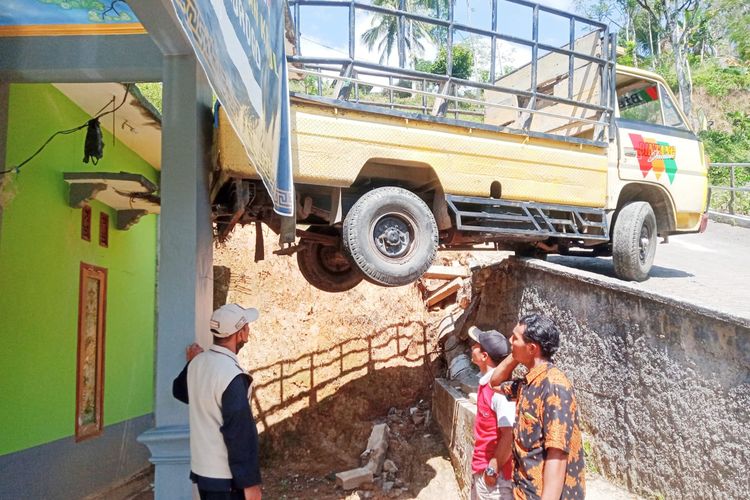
{"x":526,"y":102}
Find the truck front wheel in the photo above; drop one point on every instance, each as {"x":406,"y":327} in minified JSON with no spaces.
{"x":634,"y":241}
{"x":325,"y":266}
{"x":391,"y":236}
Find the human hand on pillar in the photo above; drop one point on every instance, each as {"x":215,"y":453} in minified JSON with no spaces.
{"x":192,"y":351}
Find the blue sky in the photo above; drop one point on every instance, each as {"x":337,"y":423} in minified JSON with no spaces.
{"x":326,"y":26}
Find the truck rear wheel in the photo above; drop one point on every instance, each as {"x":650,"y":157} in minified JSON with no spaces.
{"x":326,"y":267}
{"x":391,"y":236}
{"x":530,"y":251}
{"x":634,"y":241}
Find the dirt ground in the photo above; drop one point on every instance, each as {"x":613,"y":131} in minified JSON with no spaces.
{"x":424,"y":470}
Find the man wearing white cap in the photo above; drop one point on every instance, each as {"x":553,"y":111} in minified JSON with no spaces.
{"x":223,"y":436}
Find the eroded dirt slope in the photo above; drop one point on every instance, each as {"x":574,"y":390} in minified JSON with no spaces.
{"x":326,"y":366}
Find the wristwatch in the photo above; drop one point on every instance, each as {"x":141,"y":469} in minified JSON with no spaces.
{"x":490,"y":471}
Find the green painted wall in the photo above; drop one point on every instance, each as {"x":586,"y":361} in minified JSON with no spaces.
{"x":40,"y":254}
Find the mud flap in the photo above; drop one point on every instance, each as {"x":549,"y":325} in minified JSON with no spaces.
{"x":260,"y":251}
{"x":288,"y":231}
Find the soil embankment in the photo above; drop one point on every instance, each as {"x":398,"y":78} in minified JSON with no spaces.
{"x":327,"y":366}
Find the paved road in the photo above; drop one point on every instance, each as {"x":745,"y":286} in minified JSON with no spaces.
{"x":711,"y":269}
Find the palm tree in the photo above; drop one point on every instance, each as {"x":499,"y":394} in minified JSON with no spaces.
{"x":385,"y":27}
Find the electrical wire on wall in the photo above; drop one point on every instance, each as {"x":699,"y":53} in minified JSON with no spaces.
{"x":93,"y":145}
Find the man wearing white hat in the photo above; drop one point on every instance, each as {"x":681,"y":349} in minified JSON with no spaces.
{"x":223,"y":436}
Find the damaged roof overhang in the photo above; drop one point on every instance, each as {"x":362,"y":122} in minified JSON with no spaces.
{"x":137,"y":123}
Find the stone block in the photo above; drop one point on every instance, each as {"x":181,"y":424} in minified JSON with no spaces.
{"x":354,"y":478}
{"x":377,"y":446}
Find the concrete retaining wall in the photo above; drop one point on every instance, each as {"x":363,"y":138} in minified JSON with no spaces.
{"x":663,"y":386}
{"x":455,"y":415}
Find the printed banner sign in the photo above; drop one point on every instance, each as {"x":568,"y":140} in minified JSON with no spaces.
{"x":240,"y":44}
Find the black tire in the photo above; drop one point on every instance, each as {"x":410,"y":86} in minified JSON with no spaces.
{"x":391,"y":236}
{"x":634,"y":241}
{"x":326,"y":267}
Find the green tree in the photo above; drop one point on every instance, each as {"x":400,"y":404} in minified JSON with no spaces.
{"x":734,"y":17}
{"x":463,"y":62}
{"x":152,"y":92}
{"x":385,"y":31}
{"x":629,"y":19}
{"x":439,"y":9}
{"x":629,"y":58}
{"x":679,"y":21}
{"x":727,"y":147}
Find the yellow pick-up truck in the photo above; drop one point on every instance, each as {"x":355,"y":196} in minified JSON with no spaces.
{"x":565,"y":154}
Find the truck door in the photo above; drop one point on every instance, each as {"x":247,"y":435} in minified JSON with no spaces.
{"x":657,"y":147}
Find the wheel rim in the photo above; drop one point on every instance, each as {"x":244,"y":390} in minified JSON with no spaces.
{"x":393,"y":235}
{"x":644,"y":244}
{"x":332,"y":260}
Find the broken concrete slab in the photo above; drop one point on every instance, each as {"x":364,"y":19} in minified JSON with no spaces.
{"x":354,"y":478}
{"x":377,"y":445}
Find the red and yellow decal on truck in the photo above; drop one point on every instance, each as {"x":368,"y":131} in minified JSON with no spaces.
{"x":655,"y":155}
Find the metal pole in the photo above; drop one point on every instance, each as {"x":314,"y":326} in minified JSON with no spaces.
{"x":449,"y":49}
{"x":534,"y":51}
{"x":493,"y":49}
{"x":571,"y":59}
{"x":296,"y":29}
{"x":611,"y":84}
{"x":351,"y":30}
{"x":455,"y":104}
{"x":390,"y":91}
{"x":731,"y":192}
{"x":401,"y":35}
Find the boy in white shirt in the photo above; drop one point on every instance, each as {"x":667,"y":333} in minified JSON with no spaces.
{"x":491,"y":462}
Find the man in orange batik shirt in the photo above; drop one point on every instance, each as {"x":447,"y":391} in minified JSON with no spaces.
{"x":547,"y":446}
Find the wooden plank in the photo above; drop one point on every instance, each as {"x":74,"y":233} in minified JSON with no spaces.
{"x":446,"y":272}
{"x":444,"y":291}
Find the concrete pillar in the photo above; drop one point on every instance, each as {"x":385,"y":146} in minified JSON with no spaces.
{"x":185,"y":263}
